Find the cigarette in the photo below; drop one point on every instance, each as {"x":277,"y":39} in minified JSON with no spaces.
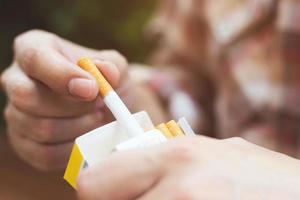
{"x":111,"y":99}
{"x":164,"y":129}
{"x":174,"y":128}
{"x":87,"y":65}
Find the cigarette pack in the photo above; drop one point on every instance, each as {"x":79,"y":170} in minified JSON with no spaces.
{"x":96,"y":145}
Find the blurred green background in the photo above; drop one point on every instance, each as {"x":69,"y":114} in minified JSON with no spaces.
{"x":100,"y":24}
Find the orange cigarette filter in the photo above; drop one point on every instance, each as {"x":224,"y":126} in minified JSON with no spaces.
{"x":86,"y":64}
{"x":174,"y":128}
{"x":164,"y":129}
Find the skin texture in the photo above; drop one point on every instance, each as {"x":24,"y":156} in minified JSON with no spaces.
{"x":51,"y":100}
{"x":193,"y":168}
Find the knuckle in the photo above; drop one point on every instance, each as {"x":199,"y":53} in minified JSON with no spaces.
{"x":30,"y":57}
{"x":120,"y":59}
{"x":184,"y":152}
{"x":7,"y":113}
{"x":3,"y":79}
{"x":23,"y":37}
{"x":18,"y":40}
{"x":6,"y":78}
{"x":21,"y":96}
{"x":114,"y":53}
{"x":41,"y":33}
{"x":45,"y":131}
{"x":33,"y":33}
{"x":28,"y":45}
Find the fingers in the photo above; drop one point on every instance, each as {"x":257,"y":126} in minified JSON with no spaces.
{"x":77,"y":51}
{"x":124,"y":176}
{"x":110,"y":56}
{"x":51,"y":99}
{"x":34,"y":98}
{"x":46,"y":65}
{"x":51,"y":130}
{"x":116,"y":58}
{"x":41,"y":156}
{"x":52,"y":61}
{"x":110,"y":71}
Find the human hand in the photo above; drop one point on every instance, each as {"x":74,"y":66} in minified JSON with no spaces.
{"x":193,"y":168}
{"x":51,"y":100}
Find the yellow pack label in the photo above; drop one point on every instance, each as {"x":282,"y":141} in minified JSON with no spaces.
{"x":74,"y":166}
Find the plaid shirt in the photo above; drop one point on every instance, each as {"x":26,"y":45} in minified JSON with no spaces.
{"x":234,"y":65}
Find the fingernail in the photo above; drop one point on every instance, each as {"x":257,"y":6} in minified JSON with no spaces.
{"x":83,"y":88}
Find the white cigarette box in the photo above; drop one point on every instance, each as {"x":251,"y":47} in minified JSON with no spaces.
{"x":98,"y":144}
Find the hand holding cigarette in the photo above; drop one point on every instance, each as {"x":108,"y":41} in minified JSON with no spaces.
{"x":51,"y":100}
{"x":111,"y":99}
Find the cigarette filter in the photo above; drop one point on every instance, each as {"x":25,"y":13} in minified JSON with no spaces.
{"x":111,"y":99}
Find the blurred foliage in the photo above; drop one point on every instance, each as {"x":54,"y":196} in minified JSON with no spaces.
{"x":99,"y":24}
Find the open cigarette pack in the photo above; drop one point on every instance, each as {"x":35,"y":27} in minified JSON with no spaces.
{"x":129,"y":131}
{"x":98,"y":144}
